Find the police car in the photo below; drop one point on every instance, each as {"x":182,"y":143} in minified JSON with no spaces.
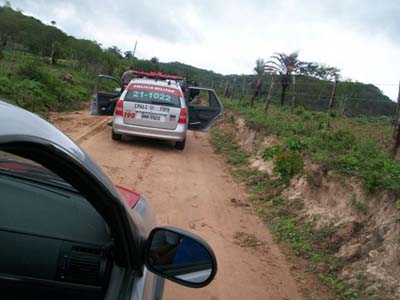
{"x":154,"y":105}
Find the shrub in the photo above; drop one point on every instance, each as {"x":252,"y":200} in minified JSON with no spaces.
{"x":33,"y":71}
{"x":270,"y":152}
{"x":40,"y":89}
{"x":296,"y":143}
{"x":287,"y":164}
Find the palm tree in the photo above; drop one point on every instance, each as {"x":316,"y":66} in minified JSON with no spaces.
{"x":260,"y":66}
{"x":285,"y":65}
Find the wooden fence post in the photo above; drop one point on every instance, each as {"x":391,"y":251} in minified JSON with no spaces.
{"x":397,"y":114}
{"x":270,"y":93}
{"x":233,"y":89}
{"x":332,"y":100}
{"x":243,"y":89}
{"x":294,"y":91}
{"x":396,"y":133}
{"x":226,"y":88}
{"x":342,"y":104}
{"x":256,"y":92}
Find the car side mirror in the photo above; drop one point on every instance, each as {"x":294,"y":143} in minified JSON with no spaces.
{"x":180,"y":256}
{"x":118,"y":90}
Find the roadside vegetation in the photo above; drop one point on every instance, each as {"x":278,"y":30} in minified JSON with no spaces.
{"x":283,"y":219}
{"x":357,"y":147}
{"x":34,"y":85}
{"x":350,"y":146}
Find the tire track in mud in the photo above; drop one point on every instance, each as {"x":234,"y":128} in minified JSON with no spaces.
{"x":141,"y":173}
{"x":96,"y":128}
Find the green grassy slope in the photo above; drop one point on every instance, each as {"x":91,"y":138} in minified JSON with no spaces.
{"x":350,"y":146}
{"x":24,"y":38}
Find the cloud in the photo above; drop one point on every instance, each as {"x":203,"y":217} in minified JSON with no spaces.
{"x":359,"y":37}
{"x":150,"y":18}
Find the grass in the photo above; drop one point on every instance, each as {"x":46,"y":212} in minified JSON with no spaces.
{"x":282,"y":215}
{"x":35,"y":85}
{"x":351,"y":146}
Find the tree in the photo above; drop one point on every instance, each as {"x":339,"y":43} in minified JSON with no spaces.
{"x":116,"y":51}
{"x":260,"y":66}
{"x":56,"y":52}
{"x":318,"y":70}
{"x":285,"y":65}
{"x":109,"y":61}
{"x":128,"y":55}
{"x":155,"y":60}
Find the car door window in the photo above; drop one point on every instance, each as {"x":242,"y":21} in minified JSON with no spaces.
{"x":199,"y":98}
{"x":107,"y":89}
{"x":107,"y":85}
{"x":204,"y":108}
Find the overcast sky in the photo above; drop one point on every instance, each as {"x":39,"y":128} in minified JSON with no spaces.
{"x":361,"y":37}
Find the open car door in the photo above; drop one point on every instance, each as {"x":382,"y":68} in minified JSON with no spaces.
{"x":204,"y":108}
{"x":107,"y":88}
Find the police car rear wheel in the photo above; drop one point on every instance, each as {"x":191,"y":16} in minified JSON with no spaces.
{"x":180,"y":145}
{"x":115,"y":136}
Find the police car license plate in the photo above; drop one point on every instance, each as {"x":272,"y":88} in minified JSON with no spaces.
{"x":152,"y":117}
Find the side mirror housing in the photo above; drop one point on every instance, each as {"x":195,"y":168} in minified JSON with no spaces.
{"x":118,"y":90}
{"x":180,"y":256}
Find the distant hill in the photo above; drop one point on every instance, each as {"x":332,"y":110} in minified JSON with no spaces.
{"x":22,"y":33}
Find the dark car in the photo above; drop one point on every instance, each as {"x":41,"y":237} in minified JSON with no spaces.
{"x":66,"y":232}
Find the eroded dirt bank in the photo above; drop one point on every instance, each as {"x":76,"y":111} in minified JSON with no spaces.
{"x":364,"y":227}
{"x":193,"y":189}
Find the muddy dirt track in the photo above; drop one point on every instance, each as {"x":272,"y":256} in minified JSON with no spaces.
{"x":192,"y":189}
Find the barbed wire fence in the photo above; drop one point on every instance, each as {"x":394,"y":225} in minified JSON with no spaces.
{"x":347,"y":102}
{"x":342,"y":98}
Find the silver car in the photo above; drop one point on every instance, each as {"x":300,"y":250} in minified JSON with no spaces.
{"x":156,"y":108}
{"x":67,"y":232}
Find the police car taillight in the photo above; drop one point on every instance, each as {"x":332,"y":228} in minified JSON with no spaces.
{"x":183,"y":116}
{"x":119,"y":108}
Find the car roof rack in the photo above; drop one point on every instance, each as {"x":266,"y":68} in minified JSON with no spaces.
{"x":157,"y":75}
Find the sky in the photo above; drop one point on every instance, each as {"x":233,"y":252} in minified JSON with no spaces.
{"x":360,"y":37}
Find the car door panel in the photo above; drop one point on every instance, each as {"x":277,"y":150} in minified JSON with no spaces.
{"x":107,"y":88}
{"x":204,"y":108}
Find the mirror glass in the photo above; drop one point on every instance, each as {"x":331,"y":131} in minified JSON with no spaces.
{"x":179,"y":257}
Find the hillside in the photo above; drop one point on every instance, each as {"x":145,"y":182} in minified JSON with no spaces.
{"x":26,"y":40}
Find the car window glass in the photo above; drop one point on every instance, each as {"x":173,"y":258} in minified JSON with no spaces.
{"x":106,"y":85}
{"x":199,"y":98}
{"x":13,"y":165}
{"x":152,"y":97}
{"x":213,"y":100}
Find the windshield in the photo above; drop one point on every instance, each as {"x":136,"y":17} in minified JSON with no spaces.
{"x":13,"y":165}
{"x":151,"y":94}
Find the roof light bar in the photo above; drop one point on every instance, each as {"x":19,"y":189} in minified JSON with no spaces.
{"x":157,"y":75}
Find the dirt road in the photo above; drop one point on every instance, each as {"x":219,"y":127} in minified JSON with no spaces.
{"x":192,"y":189}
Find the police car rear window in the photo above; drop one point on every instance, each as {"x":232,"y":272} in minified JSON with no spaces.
{"x":152,"y":94}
